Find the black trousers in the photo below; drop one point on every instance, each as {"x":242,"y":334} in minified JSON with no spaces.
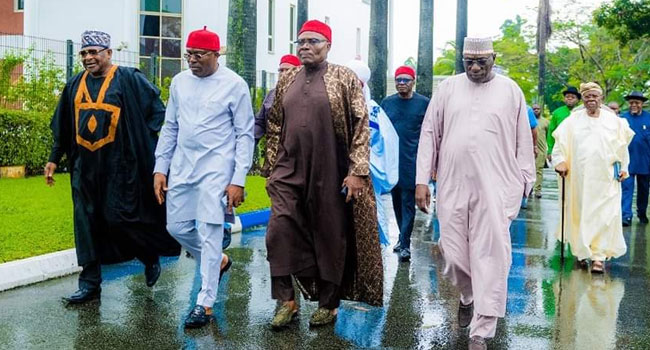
{"x":328,"y":297}
{"x":404,"y":207}
{"x":91,"y":273}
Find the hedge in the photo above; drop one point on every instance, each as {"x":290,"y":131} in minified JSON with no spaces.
{"x":25,"y":139}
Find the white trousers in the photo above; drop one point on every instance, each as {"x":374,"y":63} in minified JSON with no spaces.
{"x":204,"y":241}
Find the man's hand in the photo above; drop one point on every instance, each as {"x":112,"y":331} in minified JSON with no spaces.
{"x":535,"y":152}
{"x":354,"y":184}
{"x":423,"y":197}
{"x":49,"y":173}
{"x":159,"y":187}
{"x":562,"y":169}
{"x":622,"y":175}
{"x":235,"y":197}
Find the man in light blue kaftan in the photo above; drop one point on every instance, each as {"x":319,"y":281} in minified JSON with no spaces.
{"x":206,"y":149}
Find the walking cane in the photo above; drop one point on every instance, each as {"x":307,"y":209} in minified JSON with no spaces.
{"x":562,"y":229}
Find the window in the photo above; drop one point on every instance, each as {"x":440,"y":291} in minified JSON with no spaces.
{"x":271,"y":24}
{"x":19,"y":5}
{"x":292,"y":29}
{"x":160,"y":36}
{"x":358,"y":43}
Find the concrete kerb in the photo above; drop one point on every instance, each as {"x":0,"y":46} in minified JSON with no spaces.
{"x":23,"y":272}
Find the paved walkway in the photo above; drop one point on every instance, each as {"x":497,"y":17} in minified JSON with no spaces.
{"x":547,"y":308}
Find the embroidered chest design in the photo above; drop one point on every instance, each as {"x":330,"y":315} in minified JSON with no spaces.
{"x":95,"y":121}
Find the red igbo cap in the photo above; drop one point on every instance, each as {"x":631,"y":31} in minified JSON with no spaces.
{"x":291,"y":59}
{"x":405,"y":70}
{"x":317,"y":27}
{"x":203,"y":39}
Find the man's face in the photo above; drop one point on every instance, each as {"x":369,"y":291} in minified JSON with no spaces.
{"x":404,"y":84}
{"x":202,"y":62}
{"x":284,"y":67}
{"x":537,"y":110}
{"x":592,"y":100}
{"x":571,"y":100}
{"x":478,"y":67}
{"x":614,"y":107}
{"x":95,"y":59}
{"x":636,"y":106}
{"x":312,"y":48}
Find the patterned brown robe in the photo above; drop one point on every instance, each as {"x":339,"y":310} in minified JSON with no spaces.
{"x":364,"y":280}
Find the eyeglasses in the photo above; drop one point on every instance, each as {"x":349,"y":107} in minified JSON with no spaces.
{"x":482,"y":62}
{"x":92,"y":52}
{"x":310,"y":41}
{"x":197,"y":55}
{"x":403,"y":80}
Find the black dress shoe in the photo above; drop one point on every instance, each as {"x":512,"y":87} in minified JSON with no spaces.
{"x":405,"y":255}
{"x":397,"y":248}
{"x":197,"y":318}
{"x":643,"y":219}
{"x":152,"y":273}
{"x":83,"y":295}
{"x":465,"y":314}
{"x":627,"y":222}
{"x":225,"y":268}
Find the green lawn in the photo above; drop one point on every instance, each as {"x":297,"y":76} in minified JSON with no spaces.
{"x":36,"y":219}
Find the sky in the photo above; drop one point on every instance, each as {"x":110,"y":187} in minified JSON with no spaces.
{"x":483,"y":20}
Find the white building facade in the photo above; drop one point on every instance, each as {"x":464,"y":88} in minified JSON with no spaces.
{"x":162,"y":26}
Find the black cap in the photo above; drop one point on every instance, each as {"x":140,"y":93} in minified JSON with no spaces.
{"x":572,"y":90}
{"x":636,"y":95}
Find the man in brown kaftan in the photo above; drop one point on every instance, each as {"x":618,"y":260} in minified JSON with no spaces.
{"x":318,"y":141}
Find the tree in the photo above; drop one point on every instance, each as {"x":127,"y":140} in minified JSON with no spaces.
{"x":303,"y":13}
{"x":242,"y":39}
{"x":625,"y":19}
{"x":425,"y":49}
{"x":378,"y":50}
{"x":543,"y":34}
{"x":461,"y":33}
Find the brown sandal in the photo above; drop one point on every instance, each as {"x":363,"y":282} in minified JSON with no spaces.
{"x":597,"y":267}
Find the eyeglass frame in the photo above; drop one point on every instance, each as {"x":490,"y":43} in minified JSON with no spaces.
{"x":403,"y":80}
{"x":311,"y":41}
{"x":197,"y":55}
{"x":481,"y":62}
{"x":84,"y":53}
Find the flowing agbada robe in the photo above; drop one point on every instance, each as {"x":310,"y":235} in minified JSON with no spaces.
{"x":311,"y":148}
{"x":108,"y":128}
{"x":590,"y":146}
{"x":206,"y":144}
{"x":477,"y":139}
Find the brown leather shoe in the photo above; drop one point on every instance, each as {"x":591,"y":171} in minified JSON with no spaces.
{"x":283,"y":317}
{"x":465,"y":313}
{"x":477,"y":343}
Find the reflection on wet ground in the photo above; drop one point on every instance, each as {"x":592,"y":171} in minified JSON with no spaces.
{"x":549,"y":306}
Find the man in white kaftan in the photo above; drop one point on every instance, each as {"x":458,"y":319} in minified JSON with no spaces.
{"x":476,"y":141}
{"x":206,"y":147}
{"x":591,"y":151}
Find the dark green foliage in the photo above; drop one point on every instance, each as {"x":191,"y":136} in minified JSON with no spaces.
{"x":625,"y":19}
{"x":26,"y":139}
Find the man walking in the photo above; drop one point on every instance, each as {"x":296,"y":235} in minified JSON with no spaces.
{"x":476,"y":141}
{"x":639,"y":121}
{"x":591,"y":152}
{"x":107,"y":123}
{"x":202,"y":158}
{"x":323,"y":225}
{"x":406,"y":111}
{"x":541,"y":146}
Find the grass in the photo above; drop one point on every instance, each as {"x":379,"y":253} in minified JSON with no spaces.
{"x":36,"y":219}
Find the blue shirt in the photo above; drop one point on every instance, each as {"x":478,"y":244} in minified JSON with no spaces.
{"x":531,"y":118}
{"x":407,"y":116}
{"x":640,"y":146}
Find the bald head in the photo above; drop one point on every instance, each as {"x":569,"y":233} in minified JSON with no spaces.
{"x":614,"y":107}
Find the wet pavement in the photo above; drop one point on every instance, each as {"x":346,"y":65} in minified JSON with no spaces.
{"x":549,"y":307}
